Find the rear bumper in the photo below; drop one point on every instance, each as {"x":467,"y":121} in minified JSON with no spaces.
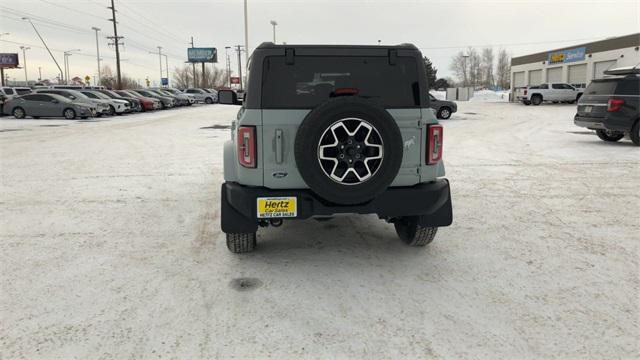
{"x":589,"y":123}
{"x":430,"y":201}
{"x":608,"y":122}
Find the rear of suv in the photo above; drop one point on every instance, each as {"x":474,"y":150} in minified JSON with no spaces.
{"x":328,"y":130}
{"x":611,"y":106}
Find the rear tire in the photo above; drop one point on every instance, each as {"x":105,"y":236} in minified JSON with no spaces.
{"x":610,"y":136}
{"x":208,"y":100}
{"x":635,"y":134}
{"x":241,"y":243}
{"x":536,"y":100}
{"x":411,"y":233}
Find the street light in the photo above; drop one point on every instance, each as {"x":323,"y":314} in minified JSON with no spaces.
{"x":226,"y":52}
{"x":97,"y":51}
{"x":24,"y":58}
{"x":66,"y":64}
{"x":274,"y":23}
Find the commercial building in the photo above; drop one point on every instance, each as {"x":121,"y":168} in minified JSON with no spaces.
{"x":576,"y":65}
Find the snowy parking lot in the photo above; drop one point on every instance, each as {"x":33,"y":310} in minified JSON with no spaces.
{"x":110,"y":248}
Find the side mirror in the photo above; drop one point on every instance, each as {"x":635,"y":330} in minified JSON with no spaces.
{"x":228,"y":97}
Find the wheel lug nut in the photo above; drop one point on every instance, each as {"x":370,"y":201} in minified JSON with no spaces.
{"x":341,"y":156}
{"x":357,"y":156}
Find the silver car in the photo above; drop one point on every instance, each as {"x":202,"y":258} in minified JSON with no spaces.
{"x":115,"y":106}
{"x":100,"y":106}
{"x":187,"y":99}
{"x":46,"y":105}
{"x":201,"y":95}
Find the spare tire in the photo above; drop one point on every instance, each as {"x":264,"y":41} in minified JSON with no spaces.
{"x":348,"y":150}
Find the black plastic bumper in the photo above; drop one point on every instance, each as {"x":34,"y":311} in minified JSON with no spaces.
{"x":430,"y":201}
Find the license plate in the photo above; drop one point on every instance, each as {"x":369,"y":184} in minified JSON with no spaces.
{"x":277,"y":207}
{"x":587,"y":109}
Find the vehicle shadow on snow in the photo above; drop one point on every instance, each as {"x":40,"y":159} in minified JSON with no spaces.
{"x":348,"y":235}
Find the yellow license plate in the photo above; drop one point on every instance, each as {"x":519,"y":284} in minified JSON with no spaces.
{"x":277,"y":207}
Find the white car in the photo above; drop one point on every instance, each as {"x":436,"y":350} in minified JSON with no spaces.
{"x":116,"y":106}
{"x":556,"y":92}
{"x":202,"y":95}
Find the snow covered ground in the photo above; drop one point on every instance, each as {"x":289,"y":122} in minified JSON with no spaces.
{"x":110,"y":248}
{"x":478,"y":96}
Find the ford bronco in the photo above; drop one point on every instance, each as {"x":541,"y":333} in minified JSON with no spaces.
{"x":326,"y":130}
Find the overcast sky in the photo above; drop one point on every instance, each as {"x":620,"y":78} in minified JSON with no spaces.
{"x":439,"y":28}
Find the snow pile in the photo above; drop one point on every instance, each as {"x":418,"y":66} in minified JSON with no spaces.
{"x":490,"y":96}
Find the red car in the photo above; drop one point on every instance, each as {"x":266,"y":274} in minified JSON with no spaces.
{"x":146,"y":102}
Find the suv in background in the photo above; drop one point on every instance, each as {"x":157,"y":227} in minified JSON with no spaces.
{"x":554,"y":92}
{"x":611,"y":106}
{"x":328,"y":130}
{"x":443,"y":108}
{"x":201,"y":96}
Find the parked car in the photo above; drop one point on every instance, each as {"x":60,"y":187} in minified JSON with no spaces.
{"x":101,"y":107}
{"x":8,"y":92}
{"x":46,"y":105}
{"x":166,"y":101}
{"x":214,"y":92}
{"x":3,"y":99}
{"x":555,"y":92}
{"x":22,"y":90}
{"x":133,"y":102}
{"x":177,"y":101}
{"x":443,"y":108}
{"x":201,"y":95}
{"x":116,"y":107}
{"x":363,"y":141}
{"x":186,"y":99}
{"x":611,"y":106}
{"x":147,"y":103}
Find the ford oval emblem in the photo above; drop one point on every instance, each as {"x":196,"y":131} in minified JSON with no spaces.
{"x":279,"y":174}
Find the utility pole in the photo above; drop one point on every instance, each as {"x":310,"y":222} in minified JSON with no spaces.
{"x":274,"y":23}
{"x":166,"y":64}
{"x":116,"y":42}
{"x":39,"y":73}
{"x":239,"y":50}
{"x":24,"y":58}
{"x":44,"y":43}
{"x":246,"y":40}
{"x":97,"y":51}
{"x":228,"y":68}
{"x":160,"y":58}
{"x":195,"y":81}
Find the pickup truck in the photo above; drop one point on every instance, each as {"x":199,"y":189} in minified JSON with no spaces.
{"x":556,"y":92}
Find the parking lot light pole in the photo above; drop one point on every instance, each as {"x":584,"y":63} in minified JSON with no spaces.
{"x":67,"y":71}
{"x":24,"y":58}
{"x":228,"y":68}
{"x":166,"y":65}
{"x":274,"y":24}
{"x":246,"y":40}
{"x":97,"y":51}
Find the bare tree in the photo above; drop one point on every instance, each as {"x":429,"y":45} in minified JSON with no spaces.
{"x":475,"y":67}
{"x":183,"y":77}
{"x":108,"y":80}
{"x":459,"y":67}
{"x":487,"y":67}
{"x":503,"y":69}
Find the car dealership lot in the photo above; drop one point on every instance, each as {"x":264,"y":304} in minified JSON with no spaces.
{"x":111,"y":248}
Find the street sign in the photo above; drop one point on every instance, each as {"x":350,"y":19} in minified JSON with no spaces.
{"x":87,"y":78}
{"x":164,"y":81}
{"x":235,"y":80}
{"x":202,"y":55}
{"x":9,"y":60}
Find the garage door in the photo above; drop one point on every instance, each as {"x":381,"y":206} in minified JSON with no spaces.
{"x":535,"y":77}
{"x":554,"y":75}
{"x":601,"y":66}
{"x":518,"y":79}
{"x":578,"y":75}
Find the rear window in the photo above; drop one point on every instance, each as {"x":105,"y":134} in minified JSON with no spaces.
{"x":601,"y":88}
{"x":313,"y":79}
{"x":23,"y":91}
{"x":8,"y":91}
{"x":629,"y":87}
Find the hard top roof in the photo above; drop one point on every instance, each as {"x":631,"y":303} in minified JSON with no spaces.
{"x":270,"y":45}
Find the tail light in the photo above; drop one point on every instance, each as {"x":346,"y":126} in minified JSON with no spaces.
{"x":434,"y":150}
{"x":525,"y":91}
{"x":614,"y":104}
{"x":247,"y":146}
